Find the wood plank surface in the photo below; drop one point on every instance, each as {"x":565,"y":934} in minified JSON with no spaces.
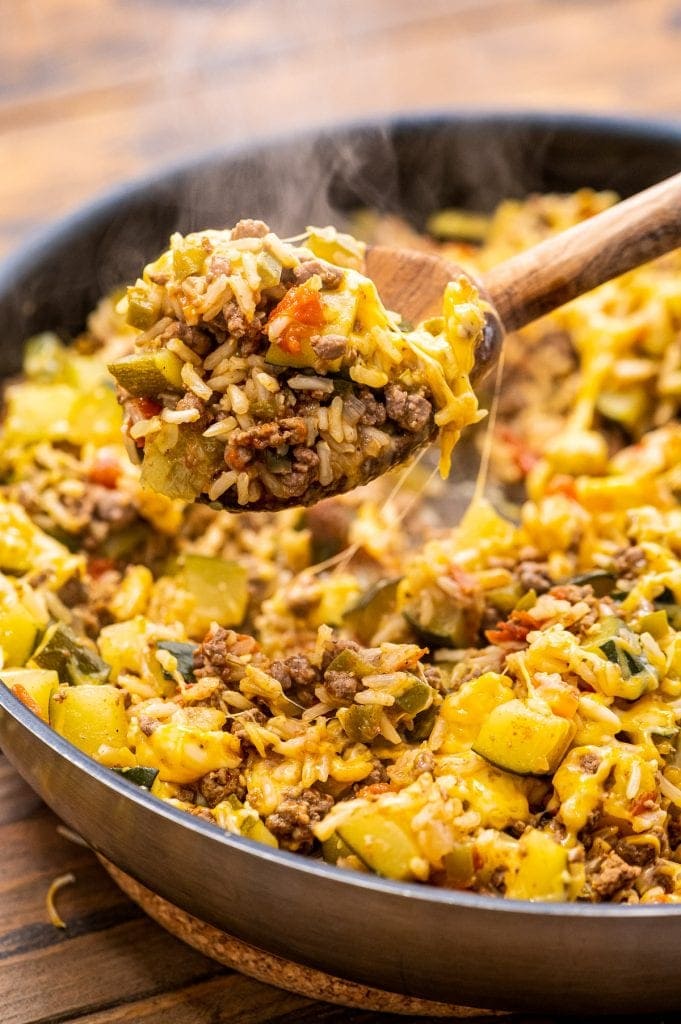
{"x":93,"y":92}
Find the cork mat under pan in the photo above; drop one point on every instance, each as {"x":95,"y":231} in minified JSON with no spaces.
{"x":274,"y":970}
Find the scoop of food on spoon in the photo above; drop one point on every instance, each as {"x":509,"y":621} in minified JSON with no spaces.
{"x":269,"y":373}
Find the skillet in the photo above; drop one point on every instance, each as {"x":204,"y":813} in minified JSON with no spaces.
{"x":420,"y":941}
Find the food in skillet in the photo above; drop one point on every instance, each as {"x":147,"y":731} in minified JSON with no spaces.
{"x":268,"y":373}
{"x":492,"y":707}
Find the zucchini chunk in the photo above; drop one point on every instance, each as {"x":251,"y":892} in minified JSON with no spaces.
{"x":521,"y":740}
{"x":90,"y":716}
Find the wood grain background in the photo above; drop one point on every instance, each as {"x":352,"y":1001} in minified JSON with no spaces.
{"x":96,"y":91}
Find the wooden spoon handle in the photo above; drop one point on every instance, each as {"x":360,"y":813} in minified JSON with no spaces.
{"x":557,"y":270}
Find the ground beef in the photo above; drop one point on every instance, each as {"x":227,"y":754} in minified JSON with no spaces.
{"x":218,"y":785}
{"x":224,"y":653}
{"x":238,"y":724}
{"x":329,"y":346}
{"x":217,"y":266}
{"x":197,"y":339}
{"x":249,"y":228}
{"x":534,"y":576}
{"x":331,"y":276}
{"x":374,"y":414}
{"x":629,"y":562}
{"x":294,"y":671}
{"x":637,"y":854}
{"x":341,"y":685}
{"x":304,"y":471}
{"x":329,"y":523}
{"x":289,"y":430}
{"x":191,"y":401}
{"x":73,"y":592}
{"x":590,"y":763}
{"x":613,"y":875}
{"x":293,"y":819}
{"x":411,"y":412}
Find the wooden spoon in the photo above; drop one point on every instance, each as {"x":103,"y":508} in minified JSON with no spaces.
{"x":542,"y":278}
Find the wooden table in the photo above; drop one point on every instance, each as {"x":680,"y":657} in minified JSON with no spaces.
{"x":95,"y":91}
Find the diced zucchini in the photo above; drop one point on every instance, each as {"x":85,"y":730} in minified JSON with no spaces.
{"x":138,"y":775}
{"x":447,"y":624}
{"x":381,"y":843}
{"x":249,"y":822}
{"x":519,"y":739}
{"x":39,"y":684}
{"x":335,"y":247}
{"x":542,"y":872}
{"x":602,"y":582}
{"x":44,"y":357}
{"x":18,"y":627}
{"x":179,"y":462}
{"x":304,"y":358}
{"x":90,"y":716}
{"x":188,"y":260}
{"x":70,"y":657}
{"x":655,"y":623}
{"x":617,"y":644}
{"x":361,"y":722}
{"x":148,"y":373}
{"x":269,"y":270}
{"x":96,"y":417}
{"x":25,"y":548}
{"x":183,"y":654}
{"x":460,"y":866}
{"x":144,"y":306}
{"x":219,"y":586}
{"x":365,"y":616}
{"x":333,"y":849}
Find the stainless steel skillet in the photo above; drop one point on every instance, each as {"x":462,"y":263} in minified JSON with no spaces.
{"x":405,"y":938}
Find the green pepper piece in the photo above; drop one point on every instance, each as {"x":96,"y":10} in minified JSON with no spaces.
{"x":423,"y":724}
{"x":138,"y":775}
{"x":74,"y":662}
{"x":416,"y":698}
{"x":148,"y":373}
{"x":353,"y":663}
{"x":361,"y":722}
{"x":144,"y":307}
{"x":183,"y":654}
{"x":365,"y":616}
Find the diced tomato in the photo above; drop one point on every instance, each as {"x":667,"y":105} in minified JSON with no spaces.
{"x":644,"y":802}
{"x":105,"y":470}
{"x":144,"y":408}
{"x":562,"y":484}
{"x":96,"y":567}
{"x":524,"y":458}
{"x":512,"y":633}
{"x":304,"y":307}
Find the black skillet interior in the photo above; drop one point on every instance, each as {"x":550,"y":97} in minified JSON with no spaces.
{"x":444,"y":945}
